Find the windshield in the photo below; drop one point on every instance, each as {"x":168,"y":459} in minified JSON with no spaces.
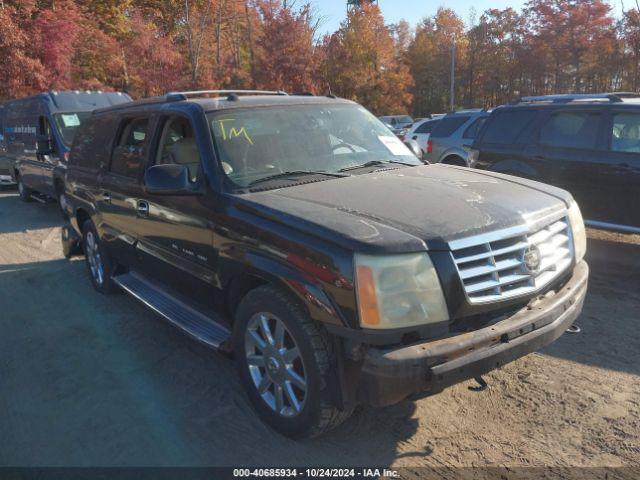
{"x":68,"y":123}
{"x":257,"y":143}
{"x":404,"y":120}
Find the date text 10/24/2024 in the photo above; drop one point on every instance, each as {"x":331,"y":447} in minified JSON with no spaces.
{"x":315,"y":473}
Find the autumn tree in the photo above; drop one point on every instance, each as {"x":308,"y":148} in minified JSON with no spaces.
{"x":429,"y":57}
{"x":360,"y":63}
{"x":286,"y":40}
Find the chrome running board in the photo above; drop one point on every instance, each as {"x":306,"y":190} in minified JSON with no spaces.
{"x":207,"y":328}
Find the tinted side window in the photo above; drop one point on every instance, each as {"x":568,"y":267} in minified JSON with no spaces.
{"x":625,"y":133}
{"x":129,"y":155}
{"x":92,"y":142}
{"x":504,"y":128}
{"x":571,"y":130}
{"x":447,"y":126}
{"x":426,"y":127}
{"x":472,"y":130}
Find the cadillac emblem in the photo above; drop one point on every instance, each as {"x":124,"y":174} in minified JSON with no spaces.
{"x":532,"y":259}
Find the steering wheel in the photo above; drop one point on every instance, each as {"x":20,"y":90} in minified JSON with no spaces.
{"x":343,"y":145}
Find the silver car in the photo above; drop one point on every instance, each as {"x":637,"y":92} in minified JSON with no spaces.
{"x":453,"y":135}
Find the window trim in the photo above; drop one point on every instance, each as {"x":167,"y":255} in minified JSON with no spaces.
{"x":154,"y":147}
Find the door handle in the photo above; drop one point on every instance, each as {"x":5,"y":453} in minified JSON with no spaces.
{"x":106,"y":197}
{"x":143,"y":208}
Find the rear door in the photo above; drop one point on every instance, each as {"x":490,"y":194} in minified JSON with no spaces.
{"x":617,"y":192}
{"x":570,"y":145}
{"x":120,"y":188}
{"x":175,"y":238}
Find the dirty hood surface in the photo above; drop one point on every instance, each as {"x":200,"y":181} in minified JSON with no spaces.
{"x":407,"y":208}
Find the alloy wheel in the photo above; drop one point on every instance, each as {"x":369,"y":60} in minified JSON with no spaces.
{"x":94,"y":258}
{"x":275,"y":364}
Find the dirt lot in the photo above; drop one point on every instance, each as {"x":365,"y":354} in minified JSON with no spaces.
{"x":93,"y":380}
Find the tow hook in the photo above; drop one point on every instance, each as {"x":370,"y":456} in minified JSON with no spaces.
{"x":482,"y":384}
{"x":574,"y":329}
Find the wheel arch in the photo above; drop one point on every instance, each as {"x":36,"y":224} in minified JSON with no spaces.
{"x":259,"y":269}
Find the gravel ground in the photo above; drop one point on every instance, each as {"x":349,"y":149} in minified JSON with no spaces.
{"x":92,"y":380}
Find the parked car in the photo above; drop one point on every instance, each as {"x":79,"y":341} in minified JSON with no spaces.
{"x":420,"y":132}
{"x":453,"y":135}
{"x":339,"y":269}
{"x":5,"y":162}
{"x":587,"y":144}
{"x":398,"y":121}
{"x":39,"y":131}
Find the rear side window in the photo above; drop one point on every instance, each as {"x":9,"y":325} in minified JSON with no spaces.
{"x":504,"y":128}
{"x":130,"y":152}
{"x":625,"y":133}
{"x":571,"y":130}
{"x":426,"y":127}
{"x":448,"y":125}
{"x":472,"y":130}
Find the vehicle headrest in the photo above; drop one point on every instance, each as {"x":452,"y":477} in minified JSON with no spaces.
{"x":185,"y":151}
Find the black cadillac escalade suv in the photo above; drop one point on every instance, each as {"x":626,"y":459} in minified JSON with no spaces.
{"x":300,"y":234}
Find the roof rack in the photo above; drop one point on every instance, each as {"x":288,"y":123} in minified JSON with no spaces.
{"x":178,"y":96}
{"x":615,"y":97}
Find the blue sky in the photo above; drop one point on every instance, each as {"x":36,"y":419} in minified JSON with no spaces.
{"x":414,"y":10}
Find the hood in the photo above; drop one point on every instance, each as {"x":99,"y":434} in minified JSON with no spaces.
{"x":408,"y":209}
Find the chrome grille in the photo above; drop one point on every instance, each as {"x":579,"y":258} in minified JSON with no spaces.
{"x":493,"y":266}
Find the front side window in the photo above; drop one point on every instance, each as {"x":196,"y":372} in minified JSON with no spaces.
{"x":571,"y":130}
{"x":178,"y":146}
{"x":625,"y":133}
{"x":254,"y":144}
{"x":67,"y":124}
{"x":129,"y":155}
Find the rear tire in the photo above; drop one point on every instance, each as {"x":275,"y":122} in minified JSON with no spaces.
{"x":97,"y":259}
{"x":286,"y":372}
{"x":23,"y":190}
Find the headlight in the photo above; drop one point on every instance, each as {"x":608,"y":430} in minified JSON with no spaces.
{"x":577,"y":230}
{"x":396,"y":291}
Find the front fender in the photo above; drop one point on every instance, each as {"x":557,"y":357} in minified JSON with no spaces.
{"x":295,"y":275}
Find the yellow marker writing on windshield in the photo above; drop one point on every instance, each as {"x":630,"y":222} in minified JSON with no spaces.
{"x":233,"y":131}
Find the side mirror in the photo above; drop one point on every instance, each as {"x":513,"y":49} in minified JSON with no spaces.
{"x":415,"y":148}
{"x":170,"y":179}
{"x":44,"y":145}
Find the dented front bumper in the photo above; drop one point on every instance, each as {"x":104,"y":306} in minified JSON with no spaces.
{"x":391,"y":375}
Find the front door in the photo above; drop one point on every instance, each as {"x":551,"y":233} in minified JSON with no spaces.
{"x":175,"y":238}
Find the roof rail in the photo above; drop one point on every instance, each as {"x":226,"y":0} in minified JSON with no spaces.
{"x":177,"y":96}
{"x":577,"y":97}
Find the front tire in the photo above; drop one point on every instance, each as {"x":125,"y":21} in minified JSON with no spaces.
{"x":98,"y":260}
{"x":285,"y":361}
{"x":23,"y":190}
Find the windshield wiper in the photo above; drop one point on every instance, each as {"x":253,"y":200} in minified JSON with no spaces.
{"x":294,"y":173}
{"x":374,"y":163}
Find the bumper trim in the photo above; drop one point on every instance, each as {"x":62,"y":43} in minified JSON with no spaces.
{"x":389,"y":376}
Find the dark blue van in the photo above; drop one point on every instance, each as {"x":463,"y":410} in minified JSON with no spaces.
{"x":38,"y":133}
